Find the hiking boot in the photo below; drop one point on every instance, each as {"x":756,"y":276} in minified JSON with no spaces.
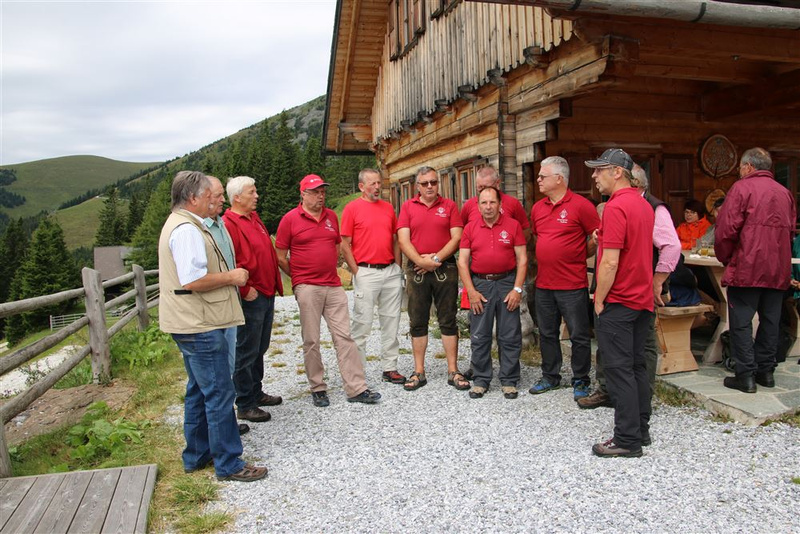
{"x":543,"y":386}
{"x":255,"y":415}
{"x":394,"y":377}
{"x":595,"y":400}
{"x":646,"y":440}
{"x":580,"y":389}
{"x":609,"y":449}
{"x":320,"y":399}
{"x":243,"y":429}
{"x":366,"y":397}
{"x":477,"y":392}
{"x":270,"y":400}
{"x":249,"y":473}
{"x":510,"y":392}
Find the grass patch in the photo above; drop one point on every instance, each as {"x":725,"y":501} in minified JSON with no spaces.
{"x":325,"y":344}
{"x":672,"y":396}
{"x":531,"y":356}
{"x":179,"y":499}
{"x":436,"y":333}
{"x":278,"y":364}
{"x":278,"y":332}
{"x":440,"y":355}
{"x":792,"y":419}
{"x":404,"y":350}
{"x":795,"y":480}
{"x":276,"y":351}
{"x":372,"y":358}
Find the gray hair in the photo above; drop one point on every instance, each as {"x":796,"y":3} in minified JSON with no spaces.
{"x":188,"y":185}
{"x":489,"y":172}
{"x":362,"y":174}
{"x":560,"y":166}
{"x":236,"y":186}
{"x":640,"y":180}
{"x":758,"y":158}
{"x":423,"y":171}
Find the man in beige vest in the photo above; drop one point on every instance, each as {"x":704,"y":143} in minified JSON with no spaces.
{"x":199,"y":301}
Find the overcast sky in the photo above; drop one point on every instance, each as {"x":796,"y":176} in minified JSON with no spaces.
{"x":148,"y":81}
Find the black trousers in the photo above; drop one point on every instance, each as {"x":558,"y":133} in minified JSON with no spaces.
{"x":743,"y":303}
{"x":621,"y":334}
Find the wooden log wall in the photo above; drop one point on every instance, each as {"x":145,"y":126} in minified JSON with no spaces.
{"x":458,"y":49}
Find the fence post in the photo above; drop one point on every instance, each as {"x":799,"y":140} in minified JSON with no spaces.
{"x":5,"y":459}
{"x":141,"y":297}
{"x":98,"y":333}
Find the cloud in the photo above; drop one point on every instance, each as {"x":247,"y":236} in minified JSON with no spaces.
{"x":148,"y":81}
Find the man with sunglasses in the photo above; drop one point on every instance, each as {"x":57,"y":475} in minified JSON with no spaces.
{"x":429,"y":231}
{"x":623,"y":301}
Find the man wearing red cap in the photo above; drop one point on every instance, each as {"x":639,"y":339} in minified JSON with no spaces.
{"x":307,"y":244}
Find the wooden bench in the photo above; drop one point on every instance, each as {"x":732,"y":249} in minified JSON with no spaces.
{"x":673,"y":330}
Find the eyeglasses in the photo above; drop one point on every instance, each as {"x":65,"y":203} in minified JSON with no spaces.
{"x":319,"y":191}
{"x":431,"y":183}
{"x":543,"y":176}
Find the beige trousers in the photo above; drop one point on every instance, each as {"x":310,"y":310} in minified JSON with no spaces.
{"x":316,"y":302}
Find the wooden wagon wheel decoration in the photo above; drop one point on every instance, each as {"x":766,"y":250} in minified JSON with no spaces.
{"x":718,"y":156}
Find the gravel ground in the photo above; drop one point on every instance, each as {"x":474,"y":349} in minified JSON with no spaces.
{"x":435,"y":460}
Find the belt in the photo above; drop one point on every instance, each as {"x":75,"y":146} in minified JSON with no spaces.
{"x":375,"y":265}
{"x":498,"y":276}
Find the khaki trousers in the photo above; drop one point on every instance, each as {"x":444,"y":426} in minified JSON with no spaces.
{"x":316,"y":302}
{"x":382,"y":288}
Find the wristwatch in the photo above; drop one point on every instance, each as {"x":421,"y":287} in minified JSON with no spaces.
{"x":436,"y":259}
{"x":518,"y":290}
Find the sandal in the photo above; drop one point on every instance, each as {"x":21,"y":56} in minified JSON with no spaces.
{"x":415,"y":381}
{"x":457,"y":380}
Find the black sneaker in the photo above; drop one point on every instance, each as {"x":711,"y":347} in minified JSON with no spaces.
{"x":366,"y":397}
{"x":320,"y":399}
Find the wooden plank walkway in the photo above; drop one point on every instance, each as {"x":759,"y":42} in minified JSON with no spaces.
{"x":103,"y":500}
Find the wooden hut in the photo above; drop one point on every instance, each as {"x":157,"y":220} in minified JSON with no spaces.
{"x":684,"y":87}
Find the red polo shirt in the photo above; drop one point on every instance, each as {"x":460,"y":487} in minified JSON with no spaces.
{"x":508,"y":205}
{"x":430,"y":227}
{"x":311,"y":245}
{"x":627,"y":225}
{"x":561,"y":230}
{"x":492,"y":249}
{"x":254,"y":252}
{"x":371,"y":225}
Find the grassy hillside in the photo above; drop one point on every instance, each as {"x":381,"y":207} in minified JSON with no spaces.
{"x":47,"y":183}
{"x":80,"y":222}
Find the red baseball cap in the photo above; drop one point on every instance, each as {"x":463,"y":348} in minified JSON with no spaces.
{"x":312,"y":181}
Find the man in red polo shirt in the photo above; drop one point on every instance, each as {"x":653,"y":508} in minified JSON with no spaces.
{"x":369,"y":246}
{"x":488,"y":177}
{"x":307,"y":244}
{"x":493,"y":280}
{"x":562,"y":222}
{"x":429,"y":230}
{"x":623,"y":301}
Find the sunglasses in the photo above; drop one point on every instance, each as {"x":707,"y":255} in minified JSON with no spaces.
{"x":432,"y":183}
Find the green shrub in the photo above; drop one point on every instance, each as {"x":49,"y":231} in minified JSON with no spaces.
{"x":96,"y":437}
{"x":141,"y":349}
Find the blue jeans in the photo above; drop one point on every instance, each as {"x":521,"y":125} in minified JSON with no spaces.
{"x":573,"y":306}
{"x":252,"y":341}
{"x":209,"y":424}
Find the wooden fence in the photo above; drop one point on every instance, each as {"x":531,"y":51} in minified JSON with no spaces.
{"x":99,"y":335}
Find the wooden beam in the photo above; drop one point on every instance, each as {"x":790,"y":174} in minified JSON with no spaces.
{"x":719,"y":70}
{"x":346,"y":75}
{"x":780,"y":92}
{"x":361,"y":132}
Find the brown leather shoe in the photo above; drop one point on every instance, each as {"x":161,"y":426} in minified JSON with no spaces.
{"x":269,"y":400}
{"x":249,"y":473}
{"x":256,"y":415}
{"x":609,"y":449}
{"x":595,"y":400}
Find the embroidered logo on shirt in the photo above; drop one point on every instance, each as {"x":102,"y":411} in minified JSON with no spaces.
{"x":504,"y":237}
{"x":562,"y":217}
{"x":329,"y":226}
{"x":440,"y":212}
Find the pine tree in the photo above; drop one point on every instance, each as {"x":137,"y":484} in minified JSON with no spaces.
{"x":145,"y":240}
{"x":283,"y":176}
{"x":12,"y":250}
{"x":313,"y":160}
{"x":112,"y":230}
{"x":135,"y":214}
{"x":48,"y":268}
